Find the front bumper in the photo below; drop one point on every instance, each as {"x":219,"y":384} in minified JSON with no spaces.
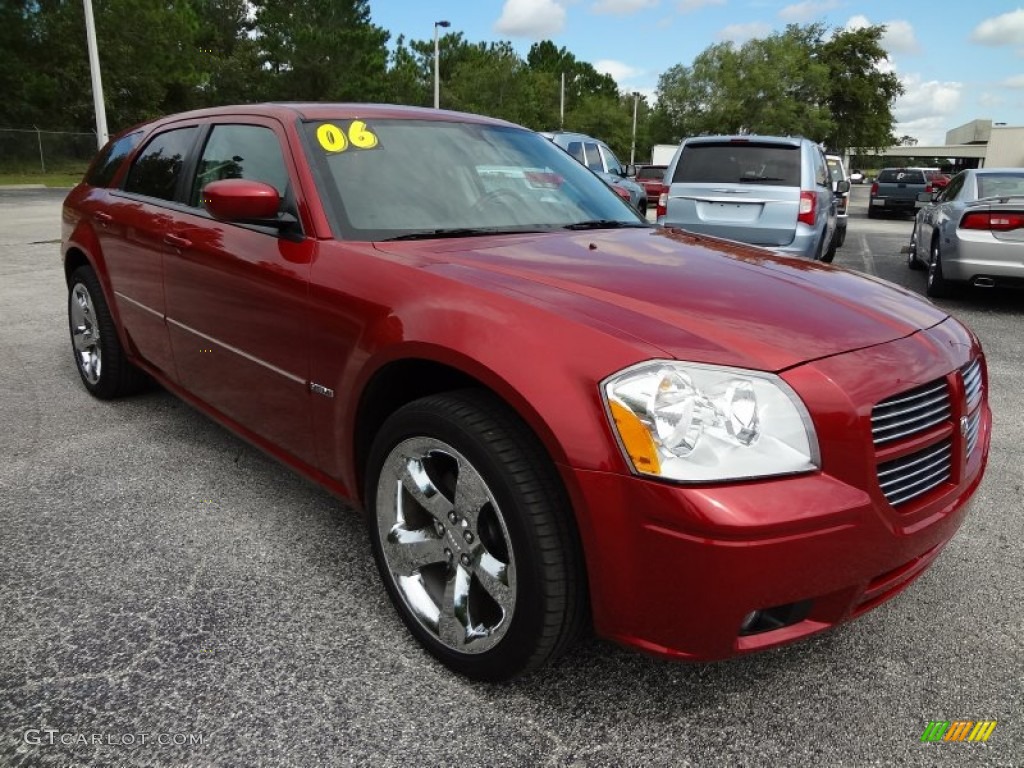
{"x":676,"y":571}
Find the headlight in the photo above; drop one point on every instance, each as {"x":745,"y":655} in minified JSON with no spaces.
{"x":700,"y":423}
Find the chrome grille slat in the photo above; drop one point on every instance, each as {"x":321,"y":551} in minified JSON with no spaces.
{"x":973,"y":424}
{"x":972,"y":384}
{"x":927,"y":458}
{"x":906,"y":478}
{"x":911,"y":413}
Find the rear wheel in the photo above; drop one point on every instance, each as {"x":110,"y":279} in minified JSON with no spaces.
{"x":831,"y":252}
{"x":472,"y":534}
{"x":872,"y":213}
{"x":99,"y":356}
{"x":938,"y":286}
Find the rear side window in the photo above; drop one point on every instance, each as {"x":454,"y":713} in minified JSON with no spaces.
{"x":105,"y":168}
{"x":739,"y":163}
{"x":157,"y":168}
{"x":900,"y":176}
{"x":241,"y":152}
{"x":1000,"y":185}
{"x":593,"y":155}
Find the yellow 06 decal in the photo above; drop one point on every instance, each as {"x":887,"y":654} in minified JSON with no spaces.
{"x":334,"y":138}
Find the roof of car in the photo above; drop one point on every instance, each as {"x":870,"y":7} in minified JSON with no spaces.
{"x":286,"y":110}
{"x":747,"y":138}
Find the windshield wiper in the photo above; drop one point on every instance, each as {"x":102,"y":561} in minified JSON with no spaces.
{"x":431,"y":234}
{"x":604,"y":224}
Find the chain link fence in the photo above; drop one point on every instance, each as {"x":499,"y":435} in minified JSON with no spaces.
{"x":38,"y":151}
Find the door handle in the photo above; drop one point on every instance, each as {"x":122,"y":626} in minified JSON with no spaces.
{"x":177,"y":241}
{"x":103,"y":218}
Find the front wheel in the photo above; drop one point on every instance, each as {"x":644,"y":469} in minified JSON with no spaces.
{"x":473,"y":536}
{"x":913,"y":260}
{"x":99,"y":356}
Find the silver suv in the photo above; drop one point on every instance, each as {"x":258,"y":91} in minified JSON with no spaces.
{"x":599,"y":158}
{"x":771,"y":191}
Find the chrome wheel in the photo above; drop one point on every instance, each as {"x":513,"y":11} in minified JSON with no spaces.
{"x":85,"y":334}
{"x":446,"y":545}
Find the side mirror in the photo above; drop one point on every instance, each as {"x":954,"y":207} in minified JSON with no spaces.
{"x":245,"y":202}
{"x":842,"y":187}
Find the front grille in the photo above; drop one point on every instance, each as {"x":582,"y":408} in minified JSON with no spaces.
{"x":910,"y":413}
{"x":908,"y":477}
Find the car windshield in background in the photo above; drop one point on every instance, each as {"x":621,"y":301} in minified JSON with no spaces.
{"x":836,"y":169}
{"x":405,"y":179}
{"x":651,"y":172}
{"x":1000,"y":184}
{"x":740,"y":163}
{"x":901,"y":176}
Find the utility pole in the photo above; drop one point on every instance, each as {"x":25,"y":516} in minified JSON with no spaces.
{"x":632,"y":147}
{"x":437,"y":77}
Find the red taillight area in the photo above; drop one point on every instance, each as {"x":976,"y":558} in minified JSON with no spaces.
{"x":808,"y":205}
{"x":928,"y":188}
{"x":662,"y":204}
{"x":622,"y":192}
{"x":998,"y":221}
{"x":874,"y":188}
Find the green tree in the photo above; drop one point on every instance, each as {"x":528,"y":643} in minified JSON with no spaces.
{"x":804,"y":80}
{"x":322,"y":50}
{"x":861,"y":95}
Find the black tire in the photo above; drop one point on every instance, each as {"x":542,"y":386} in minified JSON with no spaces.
{"x":840,"y":237}
{"x":872,"y":213}
{"x":831,"y":252}
{"x":524,"y":524}
{"x":100,"y":359}
{"x":938,"y":287}
{"x":913,"y":261}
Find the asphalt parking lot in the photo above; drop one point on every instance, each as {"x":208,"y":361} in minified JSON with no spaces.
{"x":173,"y":597}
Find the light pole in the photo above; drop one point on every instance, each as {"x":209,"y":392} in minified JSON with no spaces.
{"x":94,"y":69}
{"x":437,"y":78}
{"x":632,"y":146}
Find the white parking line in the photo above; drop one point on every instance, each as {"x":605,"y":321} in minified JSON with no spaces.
{"x":865,"y":255}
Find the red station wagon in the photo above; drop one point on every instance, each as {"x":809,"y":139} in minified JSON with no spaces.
{"x":554,"y":414}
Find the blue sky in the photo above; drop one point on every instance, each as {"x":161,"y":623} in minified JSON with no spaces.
{"x":958,"y":60}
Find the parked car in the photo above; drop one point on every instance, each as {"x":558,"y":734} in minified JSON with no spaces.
{"x":770,"y":191}
{"x":552,"y":411}
{"x":971,"y":232}
{"x":652,"y":179}
{"x":857,"y":176}
{"x":838,"y":172}
{"x":896,"y":190}
{"x":598,"y":157}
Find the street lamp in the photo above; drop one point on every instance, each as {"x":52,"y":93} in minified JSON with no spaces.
{"x":437,"y":79}
{"x":632,"y":147}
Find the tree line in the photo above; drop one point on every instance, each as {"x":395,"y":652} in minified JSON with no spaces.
{"x":163,"y":57}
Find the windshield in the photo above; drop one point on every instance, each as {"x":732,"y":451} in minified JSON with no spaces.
{"x":734,"y":162}
{"x":835,"y":166}
{"x":388,"y":179}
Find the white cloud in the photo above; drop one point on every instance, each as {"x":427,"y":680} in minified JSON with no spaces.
{"x":622,"y":7}
{"x":807,"y":10}
{"x":740,"y":33}
{"x":1007,"y":29}
{"x":990,"y":100}
{"x":899,"y":36}
{"x":926,"y":108}
{"x":689,"y":6}
{"x":535,"y":19}
{"x":1017,"y":81}
{"x":619,"y":71}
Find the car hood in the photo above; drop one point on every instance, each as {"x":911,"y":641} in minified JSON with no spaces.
{"x":697,"y":298}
